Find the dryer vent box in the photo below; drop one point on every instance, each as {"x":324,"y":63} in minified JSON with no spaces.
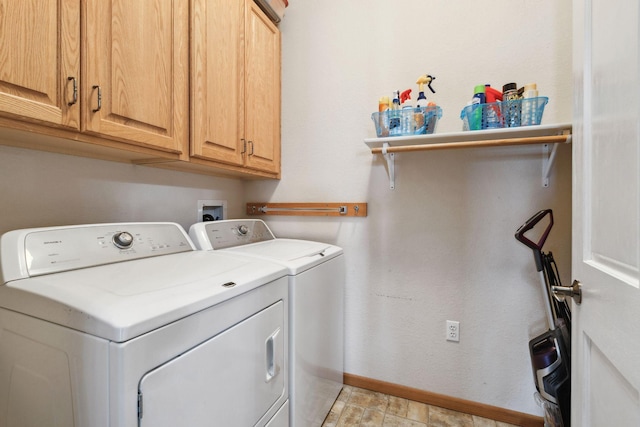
{"x":212,"y":210}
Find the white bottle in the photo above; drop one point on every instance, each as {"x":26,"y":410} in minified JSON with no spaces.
{"x":529,"y":106}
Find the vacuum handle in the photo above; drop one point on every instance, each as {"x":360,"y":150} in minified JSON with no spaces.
{"x":532,"y":222}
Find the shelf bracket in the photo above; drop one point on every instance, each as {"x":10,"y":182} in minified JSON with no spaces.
{"x":391,"y":167}
{"x":548,"y":159}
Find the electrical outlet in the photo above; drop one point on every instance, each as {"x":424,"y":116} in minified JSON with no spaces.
{"x":453,"y":330}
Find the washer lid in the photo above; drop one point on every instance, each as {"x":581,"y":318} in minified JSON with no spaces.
{"x":296,"y":255}
{"x":127,"y":299}
{"x":252,"y":237}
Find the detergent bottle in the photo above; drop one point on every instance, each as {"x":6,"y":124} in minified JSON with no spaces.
{"x":493,"y":116}
{"x":383,"y":104}
{"x":511,"y":105}
{"x":383,"y":115}
{"x":431,"y":117}
{"x":477,"y":110}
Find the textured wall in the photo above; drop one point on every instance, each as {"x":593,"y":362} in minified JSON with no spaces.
{"x":440,"y":246}
{"x":40,"y":189}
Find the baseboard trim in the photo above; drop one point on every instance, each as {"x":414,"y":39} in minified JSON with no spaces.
{"x":448,"y":402}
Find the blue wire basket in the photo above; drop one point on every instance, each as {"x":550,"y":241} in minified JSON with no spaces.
{"x":408,"y":121}
{"x":516,"y":113}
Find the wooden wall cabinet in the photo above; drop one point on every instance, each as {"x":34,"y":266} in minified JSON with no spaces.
{"x":235,"y":91}
{"x":40,"y":61}
{"x":123,"y":85}
{"x":111,"y":79}
{"x":135,"y":72}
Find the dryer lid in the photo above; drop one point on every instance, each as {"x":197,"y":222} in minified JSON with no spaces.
{"x":121,"y":301}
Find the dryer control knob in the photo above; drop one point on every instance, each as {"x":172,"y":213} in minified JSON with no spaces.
{"x":243,"y":229}
{"x":123,"y":240}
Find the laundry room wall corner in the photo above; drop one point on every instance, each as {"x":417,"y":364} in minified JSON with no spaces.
{"x":441,"y":245}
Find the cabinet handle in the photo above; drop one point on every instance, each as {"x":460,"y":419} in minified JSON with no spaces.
{"x":244,"y":146}
{"x":99,"y":98}
{"x":251,"y":145}
{"x":75,"y":91}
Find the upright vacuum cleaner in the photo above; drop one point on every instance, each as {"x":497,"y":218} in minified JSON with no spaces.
{"x":551,"y":351}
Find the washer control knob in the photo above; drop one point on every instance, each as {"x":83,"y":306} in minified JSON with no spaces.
{"x":123,"y":240}
{"x":243,"y":230}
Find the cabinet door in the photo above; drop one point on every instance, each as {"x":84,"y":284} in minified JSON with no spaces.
{"x":217,"y":91}
{"x":40,"y":60}
{"x":136,"y":72}
{"x":262,"y":92}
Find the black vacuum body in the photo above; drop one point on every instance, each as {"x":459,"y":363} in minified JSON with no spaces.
{"x":551,"y":365}
{"x":550,"y":352}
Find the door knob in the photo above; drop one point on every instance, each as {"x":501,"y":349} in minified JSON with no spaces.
{"x":574,"y":291}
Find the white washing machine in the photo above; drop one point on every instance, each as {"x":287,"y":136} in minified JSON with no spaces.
{"x":127,"y":325}
{"x":316,"y":308}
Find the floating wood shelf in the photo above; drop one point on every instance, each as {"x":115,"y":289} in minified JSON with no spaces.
{"x":475,"y":144}
{"x":526,"y":135}
{"x":307,"y":209}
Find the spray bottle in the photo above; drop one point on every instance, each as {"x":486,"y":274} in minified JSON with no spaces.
{"x":405,"y":99}
{"x":424,"y":79}
{"x":408,"y":126}
{"x":426,"y":117}
{"x":394,"y":115}
{"x":422,"y":100}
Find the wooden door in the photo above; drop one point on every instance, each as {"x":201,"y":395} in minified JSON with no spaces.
{"x":217,"y":84}
{"x":262,"y":93}
{"x":606,"y":214}
{"x":136,"y":62}
{"x":40,"y":60}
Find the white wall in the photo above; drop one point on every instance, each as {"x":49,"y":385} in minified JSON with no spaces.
{"x":440,"y":246}
{"x":40,"y":189}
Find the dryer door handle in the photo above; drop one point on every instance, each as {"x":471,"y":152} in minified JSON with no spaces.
{"x":272,"y":366}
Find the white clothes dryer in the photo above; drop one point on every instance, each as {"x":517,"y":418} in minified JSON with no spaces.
{"x":316,"y":308}
{"x":127,"y":325}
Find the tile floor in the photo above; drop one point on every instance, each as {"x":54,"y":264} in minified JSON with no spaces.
{"x":356,"y":407}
